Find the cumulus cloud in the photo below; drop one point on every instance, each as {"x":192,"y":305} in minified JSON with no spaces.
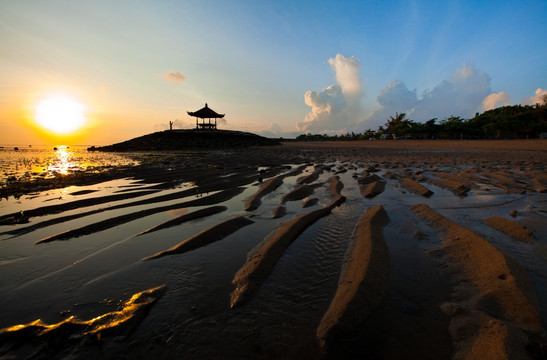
{"x":395,"y":97}
{"x":176,"y":77}
{"x":274,"y":131}
{"x":461,"y":95}
{"x":327,"y":110}
{"x":495,"y":100}
{"x":336,"y":107}
{"x":346,"y":73}
{"x":537,"y":98}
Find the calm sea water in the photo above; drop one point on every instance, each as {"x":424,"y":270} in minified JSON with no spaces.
{"x":27,"y":162}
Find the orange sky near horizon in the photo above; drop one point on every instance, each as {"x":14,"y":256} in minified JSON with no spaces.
{"x":100,"y":127}
{"x":277,"y":69}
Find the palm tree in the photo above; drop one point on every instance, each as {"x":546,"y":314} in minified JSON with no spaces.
{"x":395,"y":122}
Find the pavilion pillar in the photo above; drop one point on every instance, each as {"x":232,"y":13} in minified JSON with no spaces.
{"x":206,"y":113}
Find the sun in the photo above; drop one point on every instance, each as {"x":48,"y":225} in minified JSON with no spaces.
{"x":60,"y":114}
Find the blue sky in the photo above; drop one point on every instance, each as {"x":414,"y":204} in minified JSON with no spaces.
{"x":266,"y":64}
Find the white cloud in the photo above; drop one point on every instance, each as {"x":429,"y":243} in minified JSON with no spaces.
{"x":537,"y":98}
{"x":494,"y":100}
{"x":176,"y":77}
{"x":273,"y":131}
{"x":395,"y":97}
{"x":336,"y":107}
{"x":327,"y":110}
{"x":461,"y":95}
{"x":346,"y":73}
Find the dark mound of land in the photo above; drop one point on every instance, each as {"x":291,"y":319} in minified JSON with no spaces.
{"x":190,"y":139}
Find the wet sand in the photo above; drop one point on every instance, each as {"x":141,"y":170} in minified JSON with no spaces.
{"x":464,"y":270}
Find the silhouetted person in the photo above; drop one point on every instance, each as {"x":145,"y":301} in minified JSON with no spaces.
{"x":170,"y":125}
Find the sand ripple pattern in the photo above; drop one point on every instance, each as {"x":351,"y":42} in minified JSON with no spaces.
{"x":313,"y":282}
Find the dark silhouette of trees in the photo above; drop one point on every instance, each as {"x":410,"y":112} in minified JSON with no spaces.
{"x":394,"y":123}
{"x":507,"y":122}
{"x":400,"y":125}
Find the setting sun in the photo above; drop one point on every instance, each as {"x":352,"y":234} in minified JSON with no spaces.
{"x":60,"y":114}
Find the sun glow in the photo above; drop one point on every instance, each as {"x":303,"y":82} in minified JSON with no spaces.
{"x":60,"y":114}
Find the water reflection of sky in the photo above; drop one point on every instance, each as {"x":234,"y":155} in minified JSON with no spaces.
{"x":46,"y":162}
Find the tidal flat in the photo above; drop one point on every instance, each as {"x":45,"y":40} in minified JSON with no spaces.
{"x":401,"y":253}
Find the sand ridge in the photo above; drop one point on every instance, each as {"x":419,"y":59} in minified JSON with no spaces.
{"x":206,"y":237}
{"x":510,"y":227}
{"x":262,"y":259}
{"x":498,"y":305}
{"x":51,"y":338}
{"x":363,"y":282}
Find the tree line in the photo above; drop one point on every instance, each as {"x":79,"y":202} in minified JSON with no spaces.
{"x":507,"y":122}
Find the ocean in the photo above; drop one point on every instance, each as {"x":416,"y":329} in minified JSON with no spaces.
{"x":26,"y":162}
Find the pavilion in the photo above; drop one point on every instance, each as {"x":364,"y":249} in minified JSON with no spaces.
{"x":206,"y":113}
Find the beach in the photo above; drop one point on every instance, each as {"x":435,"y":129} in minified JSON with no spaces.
{"x":358,"y":249}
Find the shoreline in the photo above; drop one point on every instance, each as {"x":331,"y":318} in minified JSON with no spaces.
{"x":287,"y":152}
{"x":521,"y":144}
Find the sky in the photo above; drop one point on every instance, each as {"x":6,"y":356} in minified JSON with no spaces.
{"x":275,"y":68}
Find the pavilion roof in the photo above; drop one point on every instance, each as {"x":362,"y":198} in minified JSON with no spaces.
{"x":205,"y":113}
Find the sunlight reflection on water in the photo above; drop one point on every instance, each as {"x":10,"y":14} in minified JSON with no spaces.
{"x":47,"y":162}
{"x":62,"y":162}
